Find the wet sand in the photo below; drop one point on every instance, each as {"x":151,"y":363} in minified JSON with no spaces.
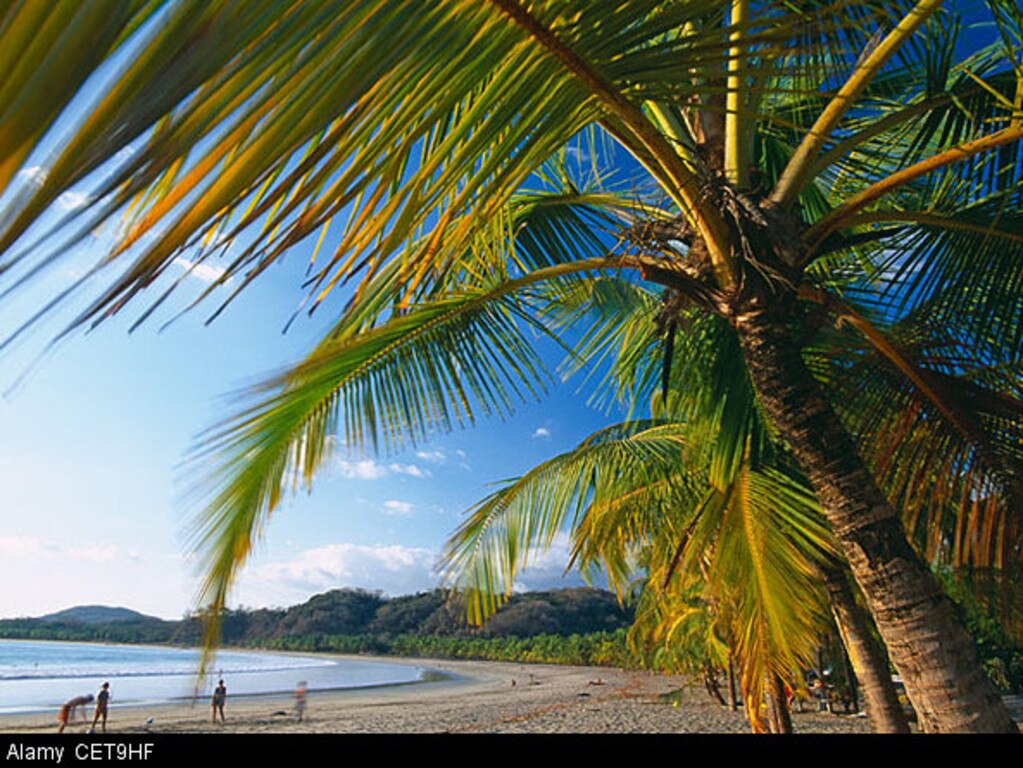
{"x":477,"y":697}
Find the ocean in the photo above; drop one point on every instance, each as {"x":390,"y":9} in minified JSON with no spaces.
{"x":38,"y":676}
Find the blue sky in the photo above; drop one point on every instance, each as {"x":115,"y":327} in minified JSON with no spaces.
{"x":94,"y":431}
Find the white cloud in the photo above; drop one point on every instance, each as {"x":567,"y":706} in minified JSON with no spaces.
{"x":36,"y":174}
{"x":363,"y":470}
{"x":546,"y":569}
{"x":541,"y":432}
{"x":368,"y":469}
{"x":29,"y":547}
{"x":395,"y":507}
{"x":207,"y":273}
{"x":434,"y":457}
{"x":408,"y":469}
{"x":578,"y":154}
{"x":394,"y":570}
{"x":72,"y":201}
{"x":37,"y":548}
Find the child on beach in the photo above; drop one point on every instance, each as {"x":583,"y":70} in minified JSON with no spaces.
{"x":102,"y":703}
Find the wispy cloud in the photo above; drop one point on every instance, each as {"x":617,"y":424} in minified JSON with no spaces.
{"x":72,"y":201}
{"x":396,"y":507}
{"x":38,"y":548}
{"x":28,"y":547}
{"x":35,"y":174}
{"x":408,"y":469}
{"x":546,"y":569}
{"x":541,"y":432}
{"x":579,"y":155}
{"x":394,"y":570}
{"x":368,"y":469}
{"x":68,"y":201}
{"x":207,"y":273}
{"x":434,"y":457}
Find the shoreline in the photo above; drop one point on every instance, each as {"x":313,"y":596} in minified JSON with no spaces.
{"x":471,"y":697}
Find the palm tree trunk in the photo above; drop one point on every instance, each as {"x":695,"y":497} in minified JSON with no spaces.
{"x":853,"y":698}
{"x":710,"y":682}
{"x":927,"y":644}
{"x":733,"y":695}
{"x":868,"y":661}
{"x":778,"y":718}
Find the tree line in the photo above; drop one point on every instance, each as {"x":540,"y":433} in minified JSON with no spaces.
{"x":358,"y":621}
{"x":581,"y":626}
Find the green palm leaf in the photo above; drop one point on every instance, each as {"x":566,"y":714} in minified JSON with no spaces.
{"x":436,"y":365}
{"x":598,"y":478}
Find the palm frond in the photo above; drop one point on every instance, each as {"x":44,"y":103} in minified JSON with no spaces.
{"x":943,"y":443}
{"x":434,"y":366}
{"x":504,"y":530}
{"x":801,"y":163}
{"x":225,"y":157}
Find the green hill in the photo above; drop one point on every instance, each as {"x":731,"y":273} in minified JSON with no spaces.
{"x":96,"y":614}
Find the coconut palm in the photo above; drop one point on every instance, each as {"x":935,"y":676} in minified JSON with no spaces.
{"x":727,"y":569}
{"x":875,"y":385}
{"x":769,"y":144}
{"x":731,"y":543}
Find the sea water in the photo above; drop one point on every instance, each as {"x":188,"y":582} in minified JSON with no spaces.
{"x":37,"y":676}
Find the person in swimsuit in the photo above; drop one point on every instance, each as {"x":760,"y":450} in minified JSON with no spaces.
{"x":68,"y":709}
{"x":102,"y":702}
{"x":219,"y":697}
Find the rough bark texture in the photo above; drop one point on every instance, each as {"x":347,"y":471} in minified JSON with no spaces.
{"x":853,"y":699}
{"x":868,"y":661}
{"x":928,"y":646}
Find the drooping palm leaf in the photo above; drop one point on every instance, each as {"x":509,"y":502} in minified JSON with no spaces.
{"x":428,"y":368}
{"x":502,"y":532}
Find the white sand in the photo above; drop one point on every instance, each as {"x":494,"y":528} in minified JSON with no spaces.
{"x":479,"y":699}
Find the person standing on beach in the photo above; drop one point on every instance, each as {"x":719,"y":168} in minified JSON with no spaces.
{"x":300,"y":700}
{"x":102,"y":703}
{"x":219,"y":698}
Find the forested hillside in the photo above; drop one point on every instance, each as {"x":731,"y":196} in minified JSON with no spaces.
{"x":351,"y":613}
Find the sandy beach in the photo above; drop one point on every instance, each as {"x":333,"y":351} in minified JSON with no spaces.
{"x":476,"y":697}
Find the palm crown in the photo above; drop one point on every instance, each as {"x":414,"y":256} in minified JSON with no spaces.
{"x":794,"y":163}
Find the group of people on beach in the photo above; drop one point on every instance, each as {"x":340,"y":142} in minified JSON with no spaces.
{"x":77,"y":705}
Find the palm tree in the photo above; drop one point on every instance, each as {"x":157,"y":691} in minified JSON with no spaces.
{"x":721,"y":561}
{"x":729,"y":571}
{"x":262,"y":122}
